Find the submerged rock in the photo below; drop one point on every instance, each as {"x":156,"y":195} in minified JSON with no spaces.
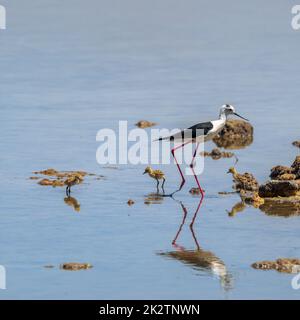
{"x":237,"y":134}
{"x":277,"y":188}
{"x":74,"y":266}
{"x":285,"y":265}
{"x":145,"y":124}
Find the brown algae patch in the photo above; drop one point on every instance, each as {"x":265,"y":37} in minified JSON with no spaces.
{"x":75,"y":266}
{"x":57,"y":178}
{"x":284,"y":265}
{"x":237,"y":134}
{"x":145,"y":124}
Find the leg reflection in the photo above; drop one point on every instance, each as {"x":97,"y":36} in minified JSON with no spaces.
{"x":198,"y":258}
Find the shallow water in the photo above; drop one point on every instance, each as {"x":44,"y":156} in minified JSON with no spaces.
{"x":69,"y":69}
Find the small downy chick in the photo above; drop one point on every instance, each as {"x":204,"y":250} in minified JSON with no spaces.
{"x":72,"y":181}
{"x":244,"y":181}
{"x":157,"y":175}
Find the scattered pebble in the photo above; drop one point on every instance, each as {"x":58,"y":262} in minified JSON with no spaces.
{"x":74,"y":266}
{"x":145,"y":124}
{"x":130,"y":202}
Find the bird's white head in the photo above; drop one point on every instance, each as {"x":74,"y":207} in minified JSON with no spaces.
{"x":227,"y":110}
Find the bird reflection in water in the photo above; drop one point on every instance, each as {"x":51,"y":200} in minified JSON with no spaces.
{"x":72,"y":202}
{"x":199,"y":259}
{"x":238,"y":207}
{"x":154,"y":198}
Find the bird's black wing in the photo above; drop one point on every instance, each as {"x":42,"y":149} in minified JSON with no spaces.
{"x":205,"y":126}
{"x":191,"y":132}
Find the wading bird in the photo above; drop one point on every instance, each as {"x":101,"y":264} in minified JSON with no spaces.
{"x":199,"y":133}
{"x":244,"y":181}
{"x":157,"y":175}
{"x":72,"y":181}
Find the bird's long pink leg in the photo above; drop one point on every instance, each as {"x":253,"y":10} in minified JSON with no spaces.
{"x":178,"y":166}
{"x":192,"y":167}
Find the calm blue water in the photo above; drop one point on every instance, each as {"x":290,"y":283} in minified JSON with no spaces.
{"x":69,"y":69}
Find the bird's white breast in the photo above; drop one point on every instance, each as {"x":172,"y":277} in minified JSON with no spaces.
{"x":218,"y":125}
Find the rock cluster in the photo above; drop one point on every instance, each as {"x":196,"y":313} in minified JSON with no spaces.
{"x":237,"y":134}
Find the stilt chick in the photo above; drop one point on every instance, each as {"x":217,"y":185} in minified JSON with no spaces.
{"x":157,"y":175}
{"x":72,"y":181}
{"x":244,"y":181}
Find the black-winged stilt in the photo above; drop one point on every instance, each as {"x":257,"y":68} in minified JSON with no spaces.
{"x":199,"y":133}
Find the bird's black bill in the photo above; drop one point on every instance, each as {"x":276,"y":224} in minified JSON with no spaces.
{"x":145,"y":172}
{"x":236,"y":114}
